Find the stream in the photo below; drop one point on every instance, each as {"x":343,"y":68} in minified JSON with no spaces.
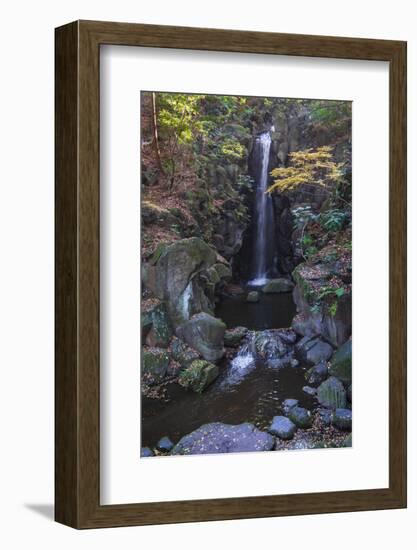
{"x":246,"y":390}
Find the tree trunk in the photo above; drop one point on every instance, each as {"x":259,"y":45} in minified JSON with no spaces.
{"x":155,"y":133}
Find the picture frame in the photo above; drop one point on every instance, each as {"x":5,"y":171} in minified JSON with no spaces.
{"x":77,"y":333}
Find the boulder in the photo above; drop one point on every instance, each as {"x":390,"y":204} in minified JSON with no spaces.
{"x":275,"y":286}
{"x":314,"y":318}
{"x":269,"y":345}
{"x":309,"y":390}
{"x":282,"y":427}
{"x":182,"y":353}
{"x":198,"y":375}
{"x":156,"y":327}
{"x":146,"y":452}
{"x":341,"y":363}
{"x":233,"y":336}
{"x":204,"y":333}
{"x":253,"y":296}
{"x":342,"y":419}
{"x":164,"y":445}
{"x":317,"y":374}
{"x":224,"y":438}
{"x":288,"y":404}
{"x":174,"y":274}
{"x":331,"y":394}
{"x":155,"y":363}
{"x":313,"y":350}
{"x":301,"y":417}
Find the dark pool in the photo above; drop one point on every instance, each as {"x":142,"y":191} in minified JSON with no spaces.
{"x":242,"y":393}
{"x":245,"y":391}
{"x":272,"y":311}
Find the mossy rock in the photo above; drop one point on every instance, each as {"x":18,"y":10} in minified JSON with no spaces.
{"x":331,"y":394}
{"x":182,"y":353}
{"x":155,"y":363}
{"x":275,"y":286}
{"x":223,"y":271}
{"x":204,"y":333}
{"x":156,"y":325}
{"x":341,"y":363}
{"x":198,"y":375}
{"x":300,"y":417}
{"x":233,"y":336}
{"x":342,"y":419}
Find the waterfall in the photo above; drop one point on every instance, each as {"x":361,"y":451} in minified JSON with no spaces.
{"x":264,"y":227}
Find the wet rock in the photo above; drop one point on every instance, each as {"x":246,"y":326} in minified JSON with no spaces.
{"x":253,"y":296}
{"x":313,"y":350}
{"x":182,"y":353}
{"x":146,"y":452}
{"x":282,"y":427}
{"x":156,"y":325}
{"x":155,"y":363}
{"x":331,"y":394}
{"x":317,"y":374}
{"x":204,"y":333}
{"x":341,"y":363}
{"x":275,"y":286}
{"x":224,"y":438}
{"x":198,"y":375}
{"x":287,"y":335}
{"x":288,"y":404}
{"x":233,"y":336}
{"x":269,"y":345}
{"x":309,"y":390}
{"x":301,"y":417}
{"x":342,"y":419}
{"x":164,"y":445}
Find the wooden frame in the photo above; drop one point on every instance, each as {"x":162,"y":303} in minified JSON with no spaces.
{"x":77,"y":274}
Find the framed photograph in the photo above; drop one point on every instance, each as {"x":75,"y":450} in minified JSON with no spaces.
{"x":230,"y":274}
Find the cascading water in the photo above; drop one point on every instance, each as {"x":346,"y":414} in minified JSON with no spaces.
{"x":264,"y":226}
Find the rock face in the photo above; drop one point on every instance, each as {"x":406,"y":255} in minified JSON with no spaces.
{"x":313,"y":350}
{"x":156,"y":328}
{"x":180,"y":274}
{"x":314,"y":318}
{"x":301,"y":417}
{"x":205,"y":334}
{"x":198,"y":375}
{"x":233,"y":336}
{"x":155,"y":363}
{"x":282,"y":427}
{"x":332,"y":394}
{"x":342,"y":419}
{"x":341,"y":363}
{"x":275,"y":286}
{"x":224,"y":438}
